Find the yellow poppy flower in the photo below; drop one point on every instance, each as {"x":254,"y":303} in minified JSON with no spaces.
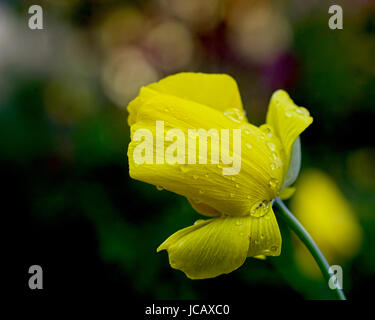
{"x":242,"y":221}
{"x":323,"y":210}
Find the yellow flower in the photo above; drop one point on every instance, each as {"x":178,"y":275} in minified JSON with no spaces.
{"x":326,"y":214}
{"x":242,"y":221}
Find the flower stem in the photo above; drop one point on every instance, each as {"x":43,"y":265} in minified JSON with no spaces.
{"x":301,"y":232}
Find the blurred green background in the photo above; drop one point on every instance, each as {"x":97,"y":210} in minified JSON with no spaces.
{"x":64,"y":132}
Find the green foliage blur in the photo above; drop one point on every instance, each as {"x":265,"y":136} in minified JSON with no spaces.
{"x":64,"y":132}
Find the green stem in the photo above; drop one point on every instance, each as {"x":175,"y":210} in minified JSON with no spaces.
{"x":301,"y":232}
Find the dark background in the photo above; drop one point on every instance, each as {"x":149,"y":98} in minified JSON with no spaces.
{"x":64,"y":134}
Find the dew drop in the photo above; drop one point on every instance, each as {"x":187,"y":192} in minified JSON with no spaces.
{"x":181,"y":243}
{"x":276,"y":164}
{"x":195,"y":177}
{"x":231,"y":195}
{"x":238,"y":223}
{"x":237,"y":185}
{"x":234,"y":114}
{"x":262,"y":236}
{"x":160,"y":188}
{"x":201,"y":191}
{"x":267,"y":130}
{"x":248,"y":145}
{"x":303,"y":111}
{"x":289,"y":114}
{"x":259,"y":209}
{"x":273,"y":183}
{"x":274,"y":248}
{"x":271,"y":146}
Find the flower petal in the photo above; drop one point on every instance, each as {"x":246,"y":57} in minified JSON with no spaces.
{"x":288,"y":121}
{"x":204,"y":209}
{"x":234,"y":194}
{"x":260,"y":171}
{"x":209,"y":248}
{"x":265,"y":237}
{"x":220,"y":245}
{"x":287,"y":192}
{"x":218,"y":91}
{"x":294,"y":165}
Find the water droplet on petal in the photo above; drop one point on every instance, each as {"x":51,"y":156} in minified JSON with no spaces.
{"x":234,"y":114}
{"x":201,"y":191}
{"x":160,"y":188}
{"x":231,"y":195}
{"x":271,"y":146}
{"x":273,"y":183}
{"x":274,"y":248}
{"x":237,"y":185}
{"x":303,"y":111}
{"x":181,"y":243}
{"x":276,"y":164}
{"x":289,"y":114}
{"x":267,"y":130}
{"x":259,"y":209}
{"x":195,"y":177}
{"x":248,"y":145}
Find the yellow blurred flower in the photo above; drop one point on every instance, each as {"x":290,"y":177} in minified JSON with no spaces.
{"x":322,"y":209}
{"x":243,"y":223}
